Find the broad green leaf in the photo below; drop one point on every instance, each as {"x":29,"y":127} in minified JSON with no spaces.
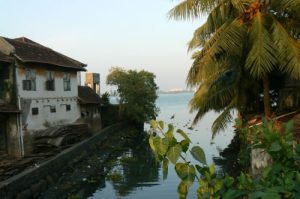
{"x":275,"y":146}
{"x":151,"y":142}
{"x":185,"y":172}
{"x":170,"y":131}
{"x":161,"y":145}
{"x":153,"y":124}
{"x":178,"y":167}
{"x":172,"y":141}
{"x":198,"y":153}
{"x":174,"y":153}
{"x":183,"y":134}
{"x":165,"y":168}
{"x":184,"y":145}
{"x":169,"y":134}
{"x":212,"y":169}
{"x":182,"y":190}
{"x":161,"y":124}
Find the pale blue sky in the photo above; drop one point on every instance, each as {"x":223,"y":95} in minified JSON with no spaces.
{"x":134,"y":34}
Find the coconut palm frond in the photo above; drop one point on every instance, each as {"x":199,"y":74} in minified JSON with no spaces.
{"x":262,"y":57}
{"x":227,"y":40}
{"x":216,"y":95}
{"x":216,"y":21}
{"x":239,"y":5}
{"x":201,"y":35}
{"x":221,"y":122}
{"x":288,"y":50}
{"x":285,"y":9}
{"x":290,"y":6}
{"x":292,"y":27}
{"x":190,"y":9}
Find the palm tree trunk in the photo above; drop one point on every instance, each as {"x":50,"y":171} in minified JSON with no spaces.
{"x":267,"y":106}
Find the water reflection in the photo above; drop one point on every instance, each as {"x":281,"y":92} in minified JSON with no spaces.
{"x":135,"y":168}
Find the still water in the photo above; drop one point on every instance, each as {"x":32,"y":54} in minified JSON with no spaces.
{"x":136,"y":175}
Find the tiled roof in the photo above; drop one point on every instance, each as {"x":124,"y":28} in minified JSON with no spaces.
{"x":29,"y":51}
{"x":87,"y":95}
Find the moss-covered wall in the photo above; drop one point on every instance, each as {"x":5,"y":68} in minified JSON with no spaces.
{"x":13,"y":139}
{"x":6,"y":83}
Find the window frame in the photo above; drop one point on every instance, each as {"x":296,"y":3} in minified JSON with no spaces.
{"x":67,"y":81}
{"x":50,"y":81}
{"x":34,"y":111}
{"x":30,"y":76}
{"x":68,"y":107}
{"x":53,"y":109}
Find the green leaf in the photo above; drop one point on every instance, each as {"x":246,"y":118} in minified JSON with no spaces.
{"x":151,"y":142}
{"x":184,"y":145}
{"x":257,"y":194}
{"x":174,"y":153}
{"x":212,"y":169}
{"x":161,"y":145}
{"x":170,"y":131}
{"x":271,"y":195}
{"x":232,"y":193}
{"x":153,"y":124}
{"x":182,"y":190}
{"x":183,"y":134}
{"x":297,"y":154}
{"x":275,"y":146}
{"x":185,"y":172}
{"x":198,"y":153}
{"x":161,"y":124}
{"x":165,"y":168}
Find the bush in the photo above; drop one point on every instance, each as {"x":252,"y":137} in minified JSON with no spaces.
{"x":281,"y":179}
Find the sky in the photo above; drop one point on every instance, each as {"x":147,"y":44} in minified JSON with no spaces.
{"x":133,"y":34}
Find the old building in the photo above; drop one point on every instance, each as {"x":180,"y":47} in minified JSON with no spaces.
{"x":92,"y":80}
{"x":38,"y":89}
{"x":89,"y":107}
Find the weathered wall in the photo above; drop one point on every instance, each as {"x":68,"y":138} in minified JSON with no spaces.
{"x":29,"y":179}
{"x":90,"y":114}
{"x":6,"y":83}
{"x":43,"y":99}
{"x":13,"y":139}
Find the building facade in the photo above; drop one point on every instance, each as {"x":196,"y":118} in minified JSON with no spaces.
{"x":39,"y":90}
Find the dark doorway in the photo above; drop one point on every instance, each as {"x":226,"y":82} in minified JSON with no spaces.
{"x":3,"y":135}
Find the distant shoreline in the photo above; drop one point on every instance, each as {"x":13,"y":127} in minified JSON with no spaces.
{"x":173,"y":92}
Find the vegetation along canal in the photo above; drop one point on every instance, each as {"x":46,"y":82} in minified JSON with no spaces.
{"x":124,"y":166}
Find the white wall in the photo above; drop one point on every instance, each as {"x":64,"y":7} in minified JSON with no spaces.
{"x":40,"y":91}
{"x":42,"y":99}
{"x":45,"y":118}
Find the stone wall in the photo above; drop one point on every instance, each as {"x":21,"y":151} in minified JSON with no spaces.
{"x":31,"y":182}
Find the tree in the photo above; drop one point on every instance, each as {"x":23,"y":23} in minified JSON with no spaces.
{"x":241,"y":40}
{"x":137,"y":92}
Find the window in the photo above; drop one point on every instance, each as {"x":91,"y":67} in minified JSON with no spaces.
{"x":52,"y":109}
{"x":29,"y":83}
{"x":4,"y":74}
{"x":67,"y":82}
{"x":35,"y":111}
{"x":68,"y":107}
{"x":50,"y":83}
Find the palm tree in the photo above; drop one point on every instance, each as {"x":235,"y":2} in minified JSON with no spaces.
{"x":248,"y":39}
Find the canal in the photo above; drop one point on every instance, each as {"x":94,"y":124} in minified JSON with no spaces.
{"x":124,"y":167}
